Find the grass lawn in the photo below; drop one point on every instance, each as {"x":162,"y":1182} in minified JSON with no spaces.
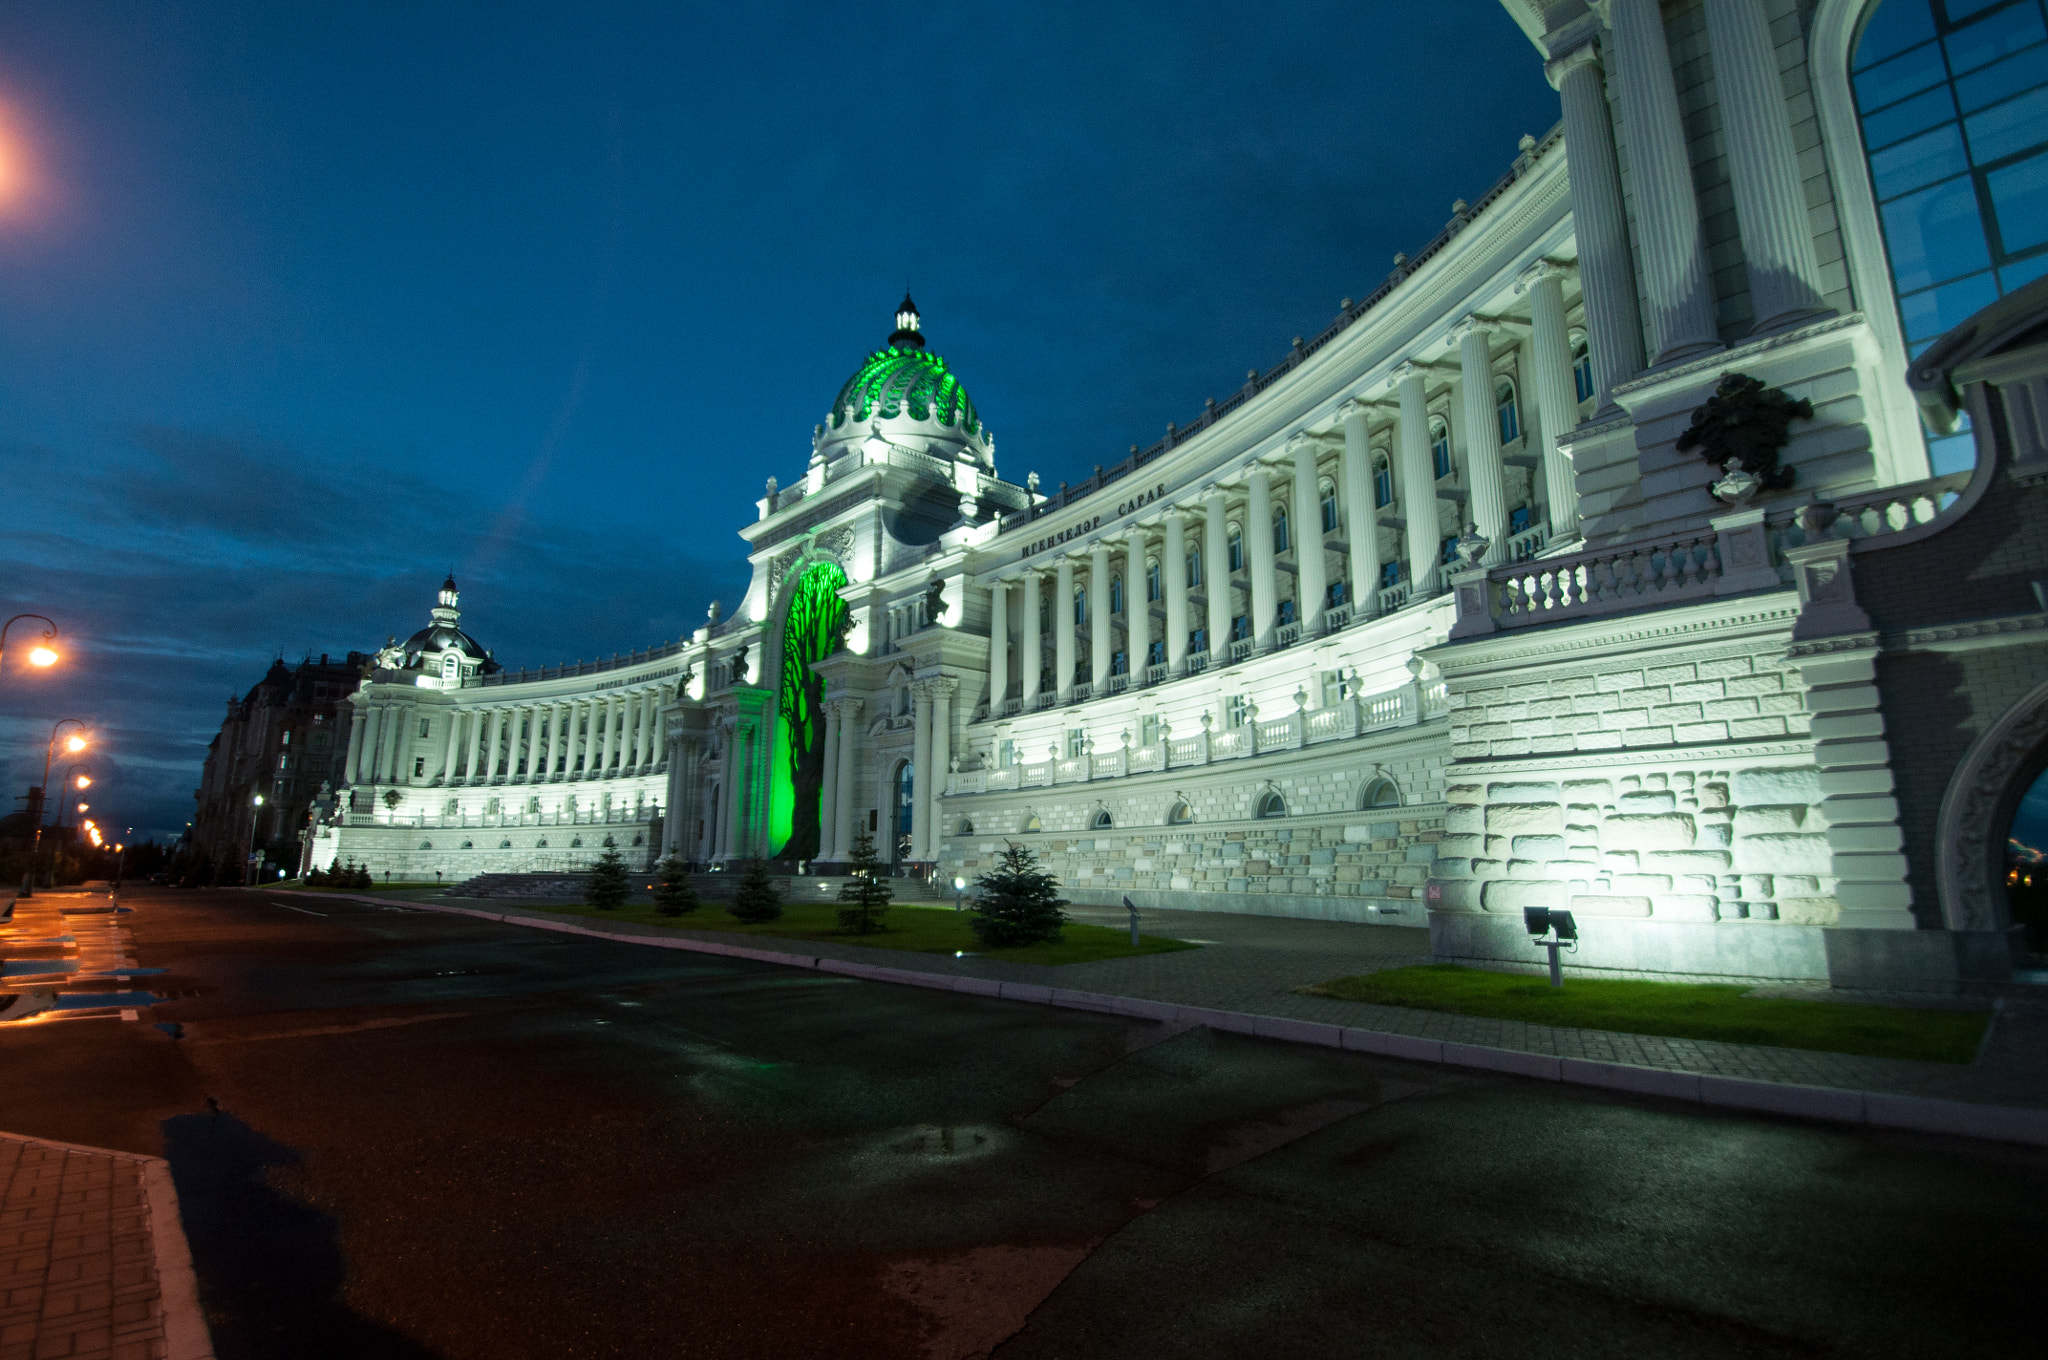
{"x":923,"y":928}
{"x":1679,"y":1010}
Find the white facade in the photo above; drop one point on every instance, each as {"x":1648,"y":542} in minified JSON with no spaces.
{"x":1254,"y":667}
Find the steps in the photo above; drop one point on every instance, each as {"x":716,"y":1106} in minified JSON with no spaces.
{"x":555,"y":886}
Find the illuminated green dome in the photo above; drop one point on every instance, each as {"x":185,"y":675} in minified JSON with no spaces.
{"x":906,"y":380}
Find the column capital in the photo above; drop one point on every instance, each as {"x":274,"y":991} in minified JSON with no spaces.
{"x":1538,"y":273}
{"x":1405,"y":372}
{"x":1470,"y":326}
{"x":1557,"y":68}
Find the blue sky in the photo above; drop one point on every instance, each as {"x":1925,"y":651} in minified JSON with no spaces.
{"x":302,"y":305}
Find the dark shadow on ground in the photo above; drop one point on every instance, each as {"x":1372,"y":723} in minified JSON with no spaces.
{"x":270,"y":1269}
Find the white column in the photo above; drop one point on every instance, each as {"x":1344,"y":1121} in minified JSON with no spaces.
{"x":525,"y":736}
{"x":1175,"y":574}
{"x":998,"y":647}
{"x":494,"y":743}
{"x":352,"y":768}
{"x":1031,"y":658}
{"x":559,"y":742}
{"x":1482,"y":437}
{"x":843,"y":809}
{"x":1418,"y":482}
{"x":1311,"y":580}
{"x":1362,"y":517}
{"x":920,"y":771}
{"x":643,"y":741}
{"x":1216,"y":571}
{"x":1101,"y":623}
{"x":942,"y":764}
{"x":735,"y":775}
{"x":1258,"y":537}
{"x":398,"y":730}
{"x":1614,"y":327}
{"x":449,"y":746}
{"x":614,"y":719}
{"x":1770,"y":199}
{"x":1678,"y":297}
{"x":1063,"y":630}
{"x":828,"y":787}
{"x":1557,"y":396}
{"x":1137,"y":609}
{"x":472,"y":767}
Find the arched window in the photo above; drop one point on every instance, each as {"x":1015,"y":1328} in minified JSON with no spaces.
{"x":1381,"y":793}
{"x":1031,"y":824}
{"x":966,"y":828}
{"x":1440,"y":446}
{"x":426,"y":845}
{"x":906,"y":799}
{"x":575,"y":842}
{"x":504,"y":845}
{"x":1116,"y":594}
{"x":1236,"y":548}
{"x":1155,"y":589}
{"x":1951,"y":101}
{"x":1194,"y":566}
{"x":469,"y":845}
{"x":1382,"y":481}
{"x":1180,"y":814}
{"x":1272,"y":805}
{"x":1080,"y":606}
{"x":541,"y":844}
{"x":1582,"y":366}
{"x":1329,"y":498}
{"x":1506,"y":409}
{"x":1101,"y":821}
{"x":1281,"y":541}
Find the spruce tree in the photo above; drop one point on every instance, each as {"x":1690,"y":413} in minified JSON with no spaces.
{"x":607,"y":888}
{"x":757,"y":898}
{"x":866,"y":894}
{"x":1017,"y":902}
{"x":673,"y":894}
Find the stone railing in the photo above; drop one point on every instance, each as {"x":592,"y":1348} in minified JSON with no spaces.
{"x":1337,"y":616}
{"x":525,"y":675}
{"x":1528,"y":543}
{"x":1870,"y":515}
{"x":1395,"y":596}
{"x":1654,"y":571}
{"x":424,"y":821}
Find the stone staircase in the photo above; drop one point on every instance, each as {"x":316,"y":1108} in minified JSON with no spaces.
{"x":568,"y":887}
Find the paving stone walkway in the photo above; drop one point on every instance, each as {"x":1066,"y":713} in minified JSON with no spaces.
{"x":77,"y":1259}
{"x":1253,"y":964}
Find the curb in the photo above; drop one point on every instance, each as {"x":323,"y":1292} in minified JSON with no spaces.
{"x":1875,"y":1109}
{"x":177,"y":1283}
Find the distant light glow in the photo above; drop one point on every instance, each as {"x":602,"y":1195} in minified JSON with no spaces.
{"x":74,"y":743}
{"x":42,"y":656}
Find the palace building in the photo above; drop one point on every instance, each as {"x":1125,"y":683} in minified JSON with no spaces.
{"x":1658,"y":542}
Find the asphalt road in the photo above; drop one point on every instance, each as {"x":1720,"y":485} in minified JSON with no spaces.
{"x":434,"y":1136}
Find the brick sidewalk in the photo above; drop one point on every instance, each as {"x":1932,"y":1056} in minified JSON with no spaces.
{"x":89,"y":1266}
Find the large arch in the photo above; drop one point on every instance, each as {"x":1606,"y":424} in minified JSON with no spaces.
{"x":810,"y":624}
{"x":1982,"y":796}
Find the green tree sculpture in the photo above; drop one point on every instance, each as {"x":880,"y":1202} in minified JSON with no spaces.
{"x":1017,"y":902}
{"x":866,"y":894}
{"x":757,"y":898}
{"x":607,"y":888}
{"x":673,"y":894}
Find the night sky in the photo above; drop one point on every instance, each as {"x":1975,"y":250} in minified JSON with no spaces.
{"x":301,"y":306}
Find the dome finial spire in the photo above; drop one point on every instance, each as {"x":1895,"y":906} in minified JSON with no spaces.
{"x":907,"y":335}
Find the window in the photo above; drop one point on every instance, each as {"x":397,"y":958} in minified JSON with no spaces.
{"x":1336,"y":688}
{"x":1329,"y":508}
{"x":425,"y":726}
{"x":1101,"y":821}
{"x":1080,"y":606}
{"x":1116,"y":594}
{"x":902,"y":701}
{"x":1077,"y":743}
{"x":1148,"y":730}
{"x":533,"y":804}
{"x":1440,"y":446}
{"x":1194,"y":567}
{"x":1953,"y":100}
{"x":284,"y":762}
{"x":1236,"y":548}
{"x":1236,"y":711}
{"x":1031,"y":824}
{"x":453,"y":808}
{"x":1450,"y":549}
{"x":1240,"y":628}
{"x":1119,"y":663}
{"x":1382,"y":481}
{"x":419,"y":767}
{"x":1180,"y":814}
{"x":1006,"y":753}
{"x":1280,"y":539}
{"x":1518,"y":519}
{"x":965,"y":828}
{"x":1506,"y":409}
{"x":1198,"y":641}
{"x":1582,"y":366}
{"x":1155,"y":589}
{"x":1335,"y":594}
{"x":426,"y":845}
{"x":1155,"y":654}
{"x":906,"y":799}
{"x":1381,"y":792}
{"x":1272,"y":805}
{"x":284,"y":739}
{"x":1287,"y":613}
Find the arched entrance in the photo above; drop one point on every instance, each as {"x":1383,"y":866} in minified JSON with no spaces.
{"x":905,"y":785}
{"x":1978,"y":816}
{"x":814,"y":624}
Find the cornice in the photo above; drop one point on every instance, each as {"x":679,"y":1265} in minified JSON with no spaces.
{"x":1684,"y":753}
{"x":1972,"y":635}
{"x":1843,"y":645}
{"x":1630,"y":631}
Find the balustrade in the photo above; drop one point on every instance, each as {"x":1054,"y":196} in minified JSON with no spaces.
{"x":1529,"y":542}
{"x":1155,"y":675}
{"x":1395,"y":596}
{"x":1242,"y":648}
{"x":1288,"y":634}
{"x":1337,"y":616}
{"x":1606,"y":580}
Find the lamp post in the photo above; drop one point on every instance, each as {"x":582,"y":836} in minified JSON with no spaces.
{"x":42,"y":654}
{"x":255,"y":811}
{"x":74,"y":743}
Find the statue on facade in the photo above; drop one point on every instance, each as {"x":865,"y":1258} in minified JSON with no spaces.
{"x":1746,"y":423}
{"x":935,"y":599}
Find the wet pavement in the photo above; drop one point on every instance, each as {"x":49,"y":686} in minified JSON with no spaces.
{"x":404,"y":1134}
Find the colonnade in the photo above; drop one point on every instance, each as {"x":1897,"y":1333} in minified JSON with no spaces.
{"x":408,"y":743}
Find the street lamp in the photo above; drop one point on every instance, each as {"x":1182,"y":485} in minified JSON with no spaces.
{"x":73,"y":744}
{"x":255,"y":811}
{"x":42,"y":654}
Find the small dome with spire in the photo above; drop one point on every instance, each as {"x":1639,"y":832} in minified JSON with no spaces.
{"x":906,"y":395}
{"x":907,"y":335}
{"x":442,"y":648}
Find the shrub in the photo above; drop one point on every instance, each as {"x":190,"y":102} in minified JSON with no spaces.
{"x":866,"y":894}
{"x":1017,"y":902}
{"x":607,"y":887}
{"x":673,"y":894}
{"x":757,"y":898}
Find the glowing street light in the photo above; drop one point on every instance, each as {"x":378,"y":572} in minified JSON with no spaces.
{"x":77,"y":741}
{"x":249,"y":867}
{"x":40,"y":655}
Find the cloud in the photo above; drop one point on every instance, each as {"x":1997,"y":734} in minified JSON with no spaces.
{"x":190,"y":558}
